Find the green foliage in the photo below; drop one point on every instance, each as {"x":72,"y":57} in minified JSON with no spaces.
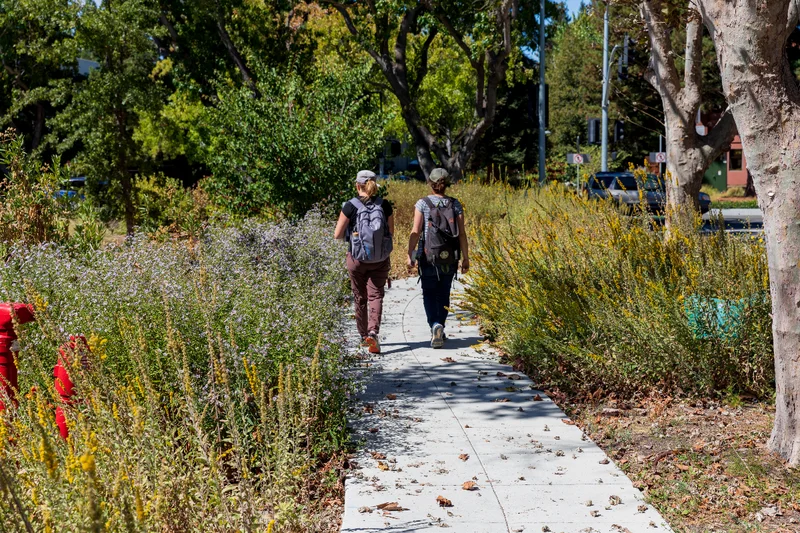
{"x":215,"y":389}
{"x":102,"y":114}
{"x":294,"y":145}
{"x":165,"y":203}
{"x":589,"y":298}
{"x":29,"y":210}
{"x":38,"y":53}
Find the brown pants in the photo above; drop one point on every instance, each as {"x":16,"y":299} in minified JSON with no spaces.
{"x":368,"y":281}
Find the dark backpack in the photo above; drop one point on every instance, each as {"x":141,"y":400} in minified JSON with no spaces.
{"x":370,"y":240}
{"x":441,"y":244}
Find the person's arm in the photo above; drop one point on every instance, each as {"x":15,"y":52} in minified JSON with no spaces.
{"x":390,"y":223}
{"x":341,"y":227}
{"x":413,"y":239}
{"x":463,"y":244}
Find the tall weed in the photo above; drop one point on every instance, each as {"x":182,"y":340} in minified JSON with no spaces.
{"x":590,"y":299}
{"x":214,"y":393}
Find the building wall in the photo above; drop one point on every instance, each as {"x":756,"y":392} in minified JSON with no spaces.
{"x":737,"y":164}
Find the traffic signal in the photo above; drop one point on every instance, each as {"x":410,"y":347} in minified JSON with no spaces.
{"x":595,"y":135}
{"x":533,"y":104}
{"x":619,"y":131}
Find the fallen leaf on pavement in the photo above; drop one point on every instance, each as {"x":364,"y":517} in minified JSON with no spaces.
{"x":614,"y":500}
{"x":501,"y":400}
{"x":501,"y":375}
{"x":368,"y":409}
{"x":515,"y":376}
{"x":377,"y":455}
{"x":621,"y":529}
{"x":444,"y":502}
{"x":604,"y":461}
{"x":391,"y":396}
{"x":467,"y":426}
{"x":595,"y":513}
{"x":537,"y":398}
{"x":568,"y":422}
{"x":391,"y":506}
{"x":365,"y":509}
{"x":464,"y":456}
{"x":469,"y":485}
{"x":642,"y":508}
{"x":448,"y":360}
{"x":373,"y":430}
{"x":383,"y":466}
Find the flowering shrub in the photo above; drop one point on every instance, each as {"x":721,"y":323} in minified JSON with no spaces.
{"x":215,"y":387}
{"x":29,"y":209}
{"x":590,"y":299}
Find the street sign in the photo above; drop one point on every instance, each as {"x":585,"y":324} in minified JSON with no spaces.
{"x":577,"y":159}
{"x":658,"y":157}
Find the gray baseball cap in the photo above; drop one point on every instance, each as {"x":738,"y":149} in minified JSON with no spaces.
{"x":439,"y":175}
{"x":364,"y":176}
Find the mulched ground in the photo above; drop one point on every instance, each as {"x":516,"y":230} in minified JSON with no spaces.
{"x":702,"y":463}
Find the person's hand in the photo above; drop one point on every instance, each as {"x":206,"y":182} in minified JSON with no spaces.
{"x":410,"y":262}
{"x":465,"y":266}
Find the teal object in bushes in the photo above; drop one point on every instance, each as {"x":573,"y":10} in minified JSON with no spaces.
{"x":715,"y":318}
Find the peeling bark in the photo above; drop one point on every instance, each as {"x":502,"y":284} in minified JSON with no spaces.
{"x":689,"y":154}
{"x":750,"y":38}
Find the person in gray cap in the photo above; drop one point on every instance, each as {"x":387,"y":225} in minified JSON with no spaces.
{"x":367,"y":223}
{"x":438,"y":242}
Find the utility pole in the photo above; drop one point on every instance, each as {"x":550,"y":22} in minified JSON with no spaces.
{"x":542,"y":103}
{"x":604,"y":161}
{"x":578,"y":166}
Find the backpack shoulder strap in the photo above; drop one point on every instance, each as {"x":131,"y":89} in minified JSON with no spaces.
{"x":378,"y":201}
{"x":359,"y":205}
{"x":428,"y":201}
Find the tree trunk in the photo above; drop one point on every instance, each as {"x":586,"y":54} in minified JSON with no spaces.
{"x":127,"y":201}
{"x":686,"y":166}
{"x":38,"y":127}
{"x":688,"y":153}
{"x":783,"y":238}
{"x":750,"y":38}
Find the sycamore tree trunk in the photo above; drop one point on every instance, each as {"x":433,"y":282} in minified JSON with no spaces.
{"x":689,"y":154}
{"x":750,"y":38}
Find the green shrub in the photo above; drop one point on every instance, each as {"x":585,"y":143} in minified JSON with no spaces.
{"x":294,"y":145}
{"x":590,"y":299}
{"x":216,"y":388}
{"x":163,"y":202}
{"x":29,"y":209}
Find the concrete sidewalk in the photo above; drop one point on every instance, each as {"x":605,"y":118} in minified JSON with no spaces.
{"x":432,"y":420}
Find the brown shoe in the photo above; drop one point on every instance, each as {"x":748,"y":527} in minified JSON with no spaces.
{"x":372,"y":343}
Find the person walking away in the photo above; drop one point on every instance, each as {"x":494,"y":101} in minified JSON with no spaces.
{"x":367,"y":223}
{"x":438,"y":241}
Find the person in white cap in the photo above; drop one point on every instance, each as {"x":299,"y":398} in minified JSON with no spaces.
{"x":367,"y":223}
{"x":438,"y":242}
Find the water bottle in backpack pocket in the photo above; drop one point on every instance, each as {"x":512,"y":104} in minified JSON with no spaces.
{"x":370,"y":240}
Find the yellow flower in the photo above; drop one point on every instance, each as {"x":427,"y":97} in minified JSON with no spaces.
{"x":87,"y":462}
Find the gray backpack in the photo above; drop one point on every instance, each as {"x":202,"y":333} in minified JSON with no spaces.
{"x":370,"y":240}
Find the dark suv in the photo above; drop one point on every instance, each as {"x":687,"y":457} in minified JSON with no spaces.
{"x":629,"y":192}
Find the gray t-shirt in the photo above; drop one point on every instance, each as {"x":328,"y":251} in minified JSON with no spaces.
{"x":423,"y":208}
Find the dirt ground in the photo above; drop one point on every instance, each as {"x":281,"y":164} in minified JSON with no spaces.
{"x":703,"y":464}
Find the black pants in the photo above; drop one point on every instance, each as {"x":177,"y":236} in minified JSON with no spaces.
{"x":436,"y":284}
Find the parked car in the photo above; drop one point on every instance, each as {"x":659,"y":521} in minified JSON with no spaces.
{"x":72,"y":189}
{"x":630,"y":193}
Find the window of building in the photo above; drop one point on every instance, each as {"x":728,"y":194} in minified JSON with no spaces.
{"x":736,"y":160}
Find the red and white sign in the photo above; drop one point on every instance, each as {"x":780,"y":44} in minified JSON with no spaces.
{"x":658,"y":157}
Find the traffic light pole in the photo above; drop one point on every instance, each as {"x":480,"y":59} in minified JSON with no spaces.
{"x":604,"y":132}
{"x":542,"y":104}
